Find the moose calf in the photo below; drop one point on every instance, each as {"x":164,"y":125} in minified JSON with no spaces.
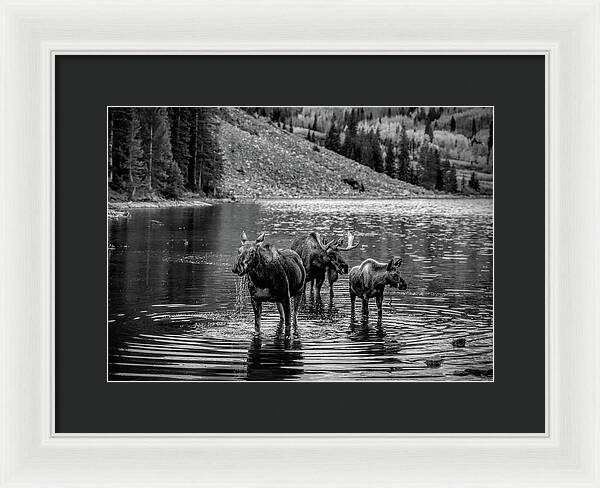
{"x":369,"y":279}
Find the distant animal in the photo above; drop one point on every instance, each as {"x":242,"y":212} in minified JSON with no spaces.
{"x":322,"y":258}
{"x":369,"y":279}
{"x":275,"y":275}
{"x":355,"y":184}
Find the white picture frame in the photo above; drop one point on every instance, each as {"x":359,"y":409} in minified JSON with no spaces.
{"x":566,"y":33}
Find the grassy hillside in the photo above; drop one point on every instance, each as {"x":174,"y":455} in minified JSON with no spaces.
{"x":262,"y":160}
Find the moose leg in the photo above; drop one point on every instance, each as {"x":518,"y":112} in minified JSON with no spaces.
{"x":281,"y":316}
{"x":319,"y":282}
{"x":365,"y":306}
{"x":296,"y":307}
{"x":379,"y":301}
{"x":287,"y":315}
{"x":331,"y":279}
{"x":257,"y":307}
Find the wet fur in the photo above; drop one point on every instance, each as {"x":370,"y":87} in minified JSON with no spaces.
{"x":276,"y":275}
{"x":279,"y":270}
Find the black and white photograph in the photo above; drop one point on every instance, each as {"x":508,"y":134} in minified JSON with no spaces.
{"x":311,"y":244}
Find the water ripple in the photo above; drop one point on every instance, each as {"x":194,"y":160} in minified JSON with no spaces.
{"x":177,"y":313}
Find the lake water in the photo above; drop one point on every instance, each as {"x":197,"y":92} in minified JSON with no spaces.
{"x":176,"y":312}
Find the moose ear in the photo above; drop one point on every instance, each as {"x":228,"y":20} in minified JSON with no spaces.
{"x":390,"y":265}
{"x":339,"y":242}
{"x":397,"y":261}
{"x":260,"y":238}
{"x":243,"y":237}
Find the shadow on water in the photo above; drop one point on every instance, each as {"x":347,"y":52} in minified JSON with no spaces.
{"x":176,"y":312}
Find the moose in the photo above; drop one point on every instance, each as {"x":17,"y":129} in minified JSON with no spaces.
{"x":275,"y":275}
{"x":369,"y":279}
{"x":322,"y":258}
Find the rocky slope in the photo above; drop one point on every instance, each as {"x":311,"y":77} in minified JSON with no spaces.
{"x":262,"y":160}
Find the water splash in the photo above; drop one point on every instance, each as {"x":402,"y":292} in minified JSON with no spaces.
{"x":242,"y":295}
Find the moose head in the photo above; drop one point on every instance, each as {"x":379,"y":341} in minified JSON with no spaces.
{"x":393,"y":274}
{"x":332,"y":252}
{"x":248,"y":254}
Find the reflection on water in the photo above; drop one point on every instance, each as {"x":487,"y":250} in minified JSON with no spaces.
{"x":177,"y":312}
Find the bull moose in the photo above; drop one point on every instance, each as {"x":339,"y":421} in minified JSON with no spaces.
{"x":323,"y":258}
{"x":370,"y":278}
{"x":275,"y":275}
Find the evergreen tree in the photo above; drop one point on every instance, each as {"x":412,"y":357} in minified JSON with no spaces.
{"x":180,"y":125}
{"x":350,"y":137}
{"x":429,"y":131}
{"x":473,"y":130}
{"x":365,"y":149}
{"x":443,"y":173}
{"x":474,"y":182}
{"x":206,"y":166}
{"x":210,"y":154}
{"x":109,"y":148}
{"x":452,"y":124}
{"x":390,"y":160}
{"x":429,"y":159}
{"x":403,"y":156}
{"x":431,"y":114}
{"x":314,"y":127}
{"x":173,"y":186}
{"x":163,"y":151}
{"x":451,"y":184}
{"x":135,"y":163}
{"x":378,"y":162}
{"x":162,"y":173}
{"x":490,"y":143}
{"x":119,"y":146}
{"x":308,"y":135}
{"x":291,"y":127}
{"x":332,"y":139}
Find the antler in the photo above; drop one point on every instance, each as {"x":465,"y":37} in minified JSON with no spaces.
{"x":320,"y":241}
{"x":351,"y":244}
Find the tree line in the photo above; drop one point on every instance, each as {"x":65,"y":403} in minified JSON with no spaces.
{"x":386,"y":156}
{"x":158,"y":151}
{"x":378,"y":137}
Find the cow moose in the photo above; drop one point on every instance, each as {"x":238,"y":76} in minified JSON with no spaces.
{"x":275,"y":275}
{"x":369,"y":279}
{"x":323,"y":258}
